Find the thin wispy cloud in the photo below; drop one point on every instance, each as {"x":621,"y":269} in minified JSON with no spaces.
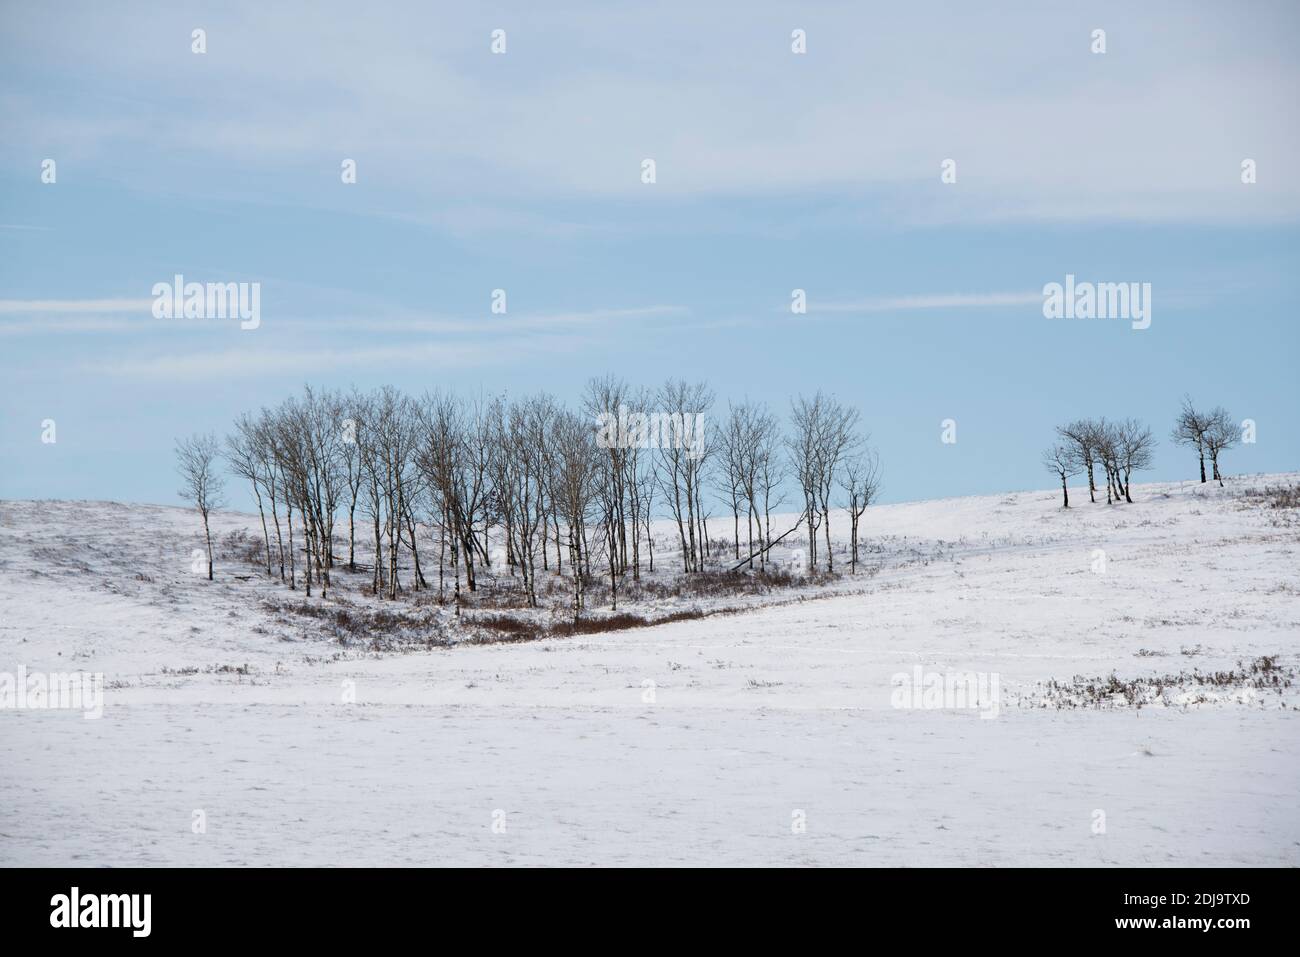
{"x":78,"y":325}
{"x":926,"y":302}
{"x":495,"y":325}
{"x":41,"y":317}
{"x":253,"y":361}
{"x":34,"y":306}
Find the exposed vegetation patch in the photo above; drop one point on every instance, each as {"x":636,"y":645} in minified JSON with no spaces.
{"x":242,"y":670}
{"x":378,"y":629}
{"x":725,"y":582}
{"x":1281,"y":501}
{"x":508,"y":628}
{"x":402,"y":627}
{"x":1257,"y":680}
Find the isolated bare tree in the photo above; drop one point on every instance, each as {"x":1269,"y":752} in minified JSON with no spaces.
{"x":201,"y":483}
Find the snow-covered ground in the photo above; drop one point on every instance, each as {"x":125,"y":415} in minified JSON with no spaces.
{"x":765,"y":736}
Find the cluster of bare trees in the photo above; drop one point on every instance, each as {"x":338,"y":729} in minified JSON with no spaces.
{"x":526,"y":483}
{"x":301,"y":461}
{"x":826,"y":450}
{"x":638,"y":468}
{"x":1210,"y":433}
{"x":1090,"y":446}
{"x":399,"y":469}
{"x":752,"y":470}
{"x":1121,"y":448}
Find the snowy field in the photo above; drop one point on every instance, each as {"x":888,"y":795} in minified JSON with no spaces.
{"x":764,"y":736}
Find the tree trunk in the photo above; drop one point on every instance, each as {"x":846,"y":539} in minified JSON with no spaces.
{"x":352,"y":536}
{"x":830,"y":555}
{"x":307,"y":541}
{"x":207,"y":534}
{"x":293,"y":584}
{"x":279,"y":539}
{"x":266,"y":535}
{"x":442,"y":554}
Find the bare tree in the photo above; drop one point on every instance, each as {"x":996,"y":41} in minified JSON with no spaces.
{"x":520,"y":461}
{"x":1189,"y":431}
{"x":1063,"y":460}
{"x":683,"y":457}
{"x":770,"y":475}
{"x":860,"y":480}
{"x":575,"y":463}
{"x":1106,"y":444}
{"x":802,"y":449}
{"x":289,"y":443}
{"x":1134,"y":447}
{"x":356,"y":412}
{"x":202,"y":484}
{"x":754,"y":437}
{"x":1084,"y":438}
{"x":647,"y":481}
{"x":455,"y":456}
{"x":733,"y":438}
{"x":606,"y":401}
{"x":440,"y":452}
{"x":245,"y":461}
{"x":263,"y":444}
{"x":825,"y":434}
{"x":639,"y":487}
{"x":1220,"y":435}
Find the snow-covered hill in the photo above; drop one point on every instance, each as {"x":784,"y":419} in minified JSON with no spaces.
{"x":769,"y":734}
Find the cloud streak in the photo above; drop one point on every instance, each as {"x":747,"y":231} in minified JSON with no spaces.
{"x":253,"y":361}
{"x":924,"y":302}
{"x":35,"y":306}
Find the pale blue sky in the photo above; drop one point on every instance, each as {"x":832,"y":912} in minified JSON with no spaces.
{"x":522,"y":172}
